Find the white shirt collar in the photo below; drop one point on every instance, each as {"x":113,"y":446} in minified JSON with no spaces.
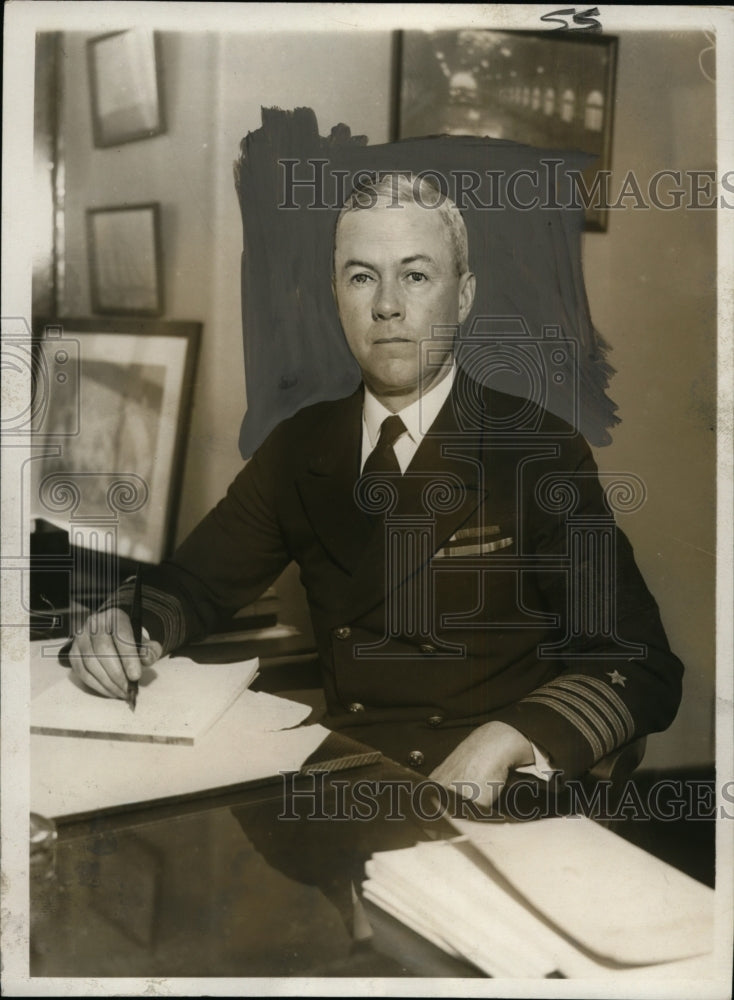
{"x":417,"y":417}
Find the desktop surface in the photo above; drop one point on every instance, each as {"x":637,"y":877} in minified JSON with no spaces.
{"x":257,"y":881}
{"x":229,"y":887}
{"x":218,"y":884}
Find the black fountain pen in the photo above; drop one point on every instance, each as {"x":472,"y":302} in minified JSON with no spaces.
{"x":136,"y":620}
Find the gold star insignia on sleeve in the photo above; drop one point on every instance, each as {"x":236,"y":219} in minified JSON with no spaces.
{"x":617,"y":678}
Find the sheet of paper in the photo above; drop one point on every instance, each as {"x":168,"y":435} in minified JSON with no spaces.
{"x":252,"y":741}
{"x":178,"y":702}
{"x":445,"y":895}
{"x":439,"y":891}
{"x":589,"y":883}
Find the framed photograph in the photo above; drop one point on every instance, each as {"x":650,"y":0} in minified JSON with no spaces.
{"x":125,"y":259}
{"x":116,"y":423}
{"x":549,"y":89}
{"x":125,"y":86}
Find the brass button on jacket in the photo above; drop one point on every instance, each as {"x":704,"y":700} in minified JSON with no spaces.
{"x":343,"y":632}
{"x":356,"y":706}
{"x":434,"y":721}
{"x":415,"y":758}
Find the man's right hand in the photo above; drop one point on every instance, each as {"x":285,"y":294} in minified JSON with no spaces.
{"x":103,"y":655}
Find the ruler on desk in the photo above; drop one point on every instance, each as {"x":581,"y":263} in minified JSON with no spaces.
{"x":340,"y":753}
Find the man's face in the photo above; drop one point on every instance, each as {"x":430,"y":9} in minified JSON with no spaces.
{"x":395,"y":278}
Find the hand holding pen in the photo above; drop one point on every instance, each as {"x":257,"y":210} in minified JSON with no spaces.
{"x":106,"y":655}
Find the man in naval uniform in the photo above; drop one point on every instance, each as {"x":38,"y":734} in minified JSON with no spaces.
{"x":469,"y":622}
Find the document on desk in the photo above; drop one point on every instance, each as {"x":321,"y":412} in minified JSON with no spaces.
{"x":614,"y":898}
{"x":257,"y":737}
{"x":555,"y":896}
{"x":178,"y":702}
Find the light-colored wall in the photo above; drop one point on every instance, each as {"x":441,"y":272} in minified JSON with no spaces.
{"x":344,"y":79}
{"x":645,"y":278}
{"x":174,"y":168}
{"x":215,"y":86}
{"x":651,"y":286}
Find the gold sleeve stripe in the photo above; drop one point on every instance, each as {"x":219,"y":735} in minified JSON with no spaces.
{"x":622,"y":735}
{"x":594,"y":718}
{"x":577,"y":720}
{"x":608,"y":692}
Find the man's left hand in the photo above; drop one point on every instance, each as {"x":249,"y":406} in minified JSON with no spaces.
{"x":483,"y":761}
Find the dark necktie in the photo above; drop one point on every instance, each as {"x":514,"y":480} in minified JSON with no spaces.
{"x":382,"y":458}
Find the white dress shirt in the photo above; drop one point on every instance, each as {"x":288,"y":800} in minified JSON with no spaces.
{"x":418,"y":418}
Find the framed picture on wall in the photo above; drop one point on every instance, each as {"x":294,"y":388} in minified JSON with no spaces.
{"x":125,"y":84}
{"x":549,"y":89}
{"x":117,"y":400}
{"x":125,"y":259}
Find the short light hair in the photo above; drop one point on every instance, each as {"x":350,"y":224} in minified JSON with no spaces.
{"x":417,"y":189}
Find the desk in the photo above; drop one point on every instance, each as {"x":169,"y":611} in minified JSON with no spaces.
{"x":220,"y":886}
{"x":225,"y":886}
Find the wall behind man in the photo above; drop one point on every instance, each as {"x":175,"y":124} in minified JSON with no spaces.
{"x":651,"y":286}
{"x":215,"y":86}
{"x":647,"y":279}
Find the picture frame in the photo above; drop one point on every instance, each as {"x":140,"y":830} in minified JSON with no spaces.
{"x":126,"y":86}
{"x":118,"y":399}
{"x":125,"y":259}
{"x":553,"y":90}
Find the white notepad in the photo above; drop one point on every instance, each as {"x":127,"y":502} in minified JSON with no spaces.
{"x":178,"y":702}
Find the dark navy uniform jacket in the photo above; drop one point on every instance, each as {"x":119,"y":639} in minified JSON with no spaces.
{"x":488,"y":582}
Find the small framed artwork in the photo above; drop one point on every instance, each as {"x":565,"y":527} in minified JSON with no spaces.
{"x":125,"y":259}
{"x":116,"y":423}
{"x":125,"y":86}
{"x":549,"y":89}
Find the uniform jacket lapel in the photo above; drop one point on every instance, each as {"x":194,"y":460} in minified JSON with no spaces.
{"x":444,"y":482}
{"x":327,"y":486}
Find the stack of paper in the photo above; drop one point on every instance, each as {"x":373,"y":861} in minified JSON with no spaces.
{"x":557,"y":896}
{"x":178,"y":702}
{"x":195,"y":729}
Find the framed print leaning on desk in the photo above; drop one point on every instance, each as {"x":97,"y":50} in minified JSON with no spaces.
{"x":114,"y":430}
